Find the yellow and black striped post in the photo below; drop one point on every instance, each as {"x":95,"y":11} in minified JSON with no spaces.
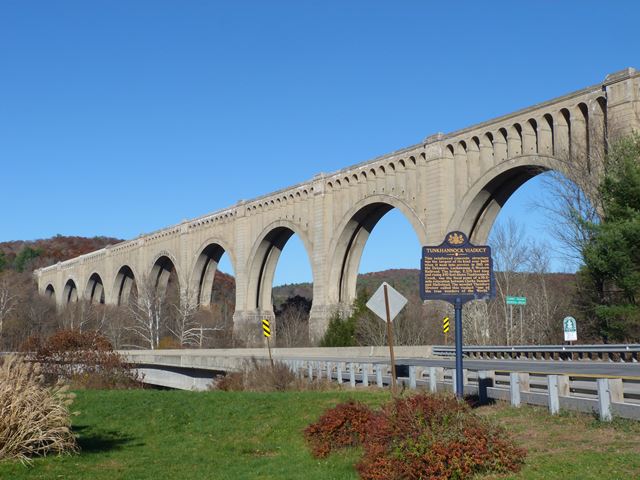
{"x":266,"y":331}
{"x":266,"y":328}
{"x":445,"y":329}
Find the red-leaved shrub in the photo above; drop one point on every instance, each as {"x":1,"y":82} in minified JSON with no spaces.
{"x":343,"y":426}
{"x":86,"y":359}
{"x":422,"y":436}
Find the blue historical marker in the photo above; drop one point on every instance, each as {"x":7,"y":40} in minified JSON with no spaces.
{"x":457,"y":271}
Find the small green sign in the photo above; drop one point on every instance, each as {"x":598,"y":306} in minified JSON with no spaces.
{"x":516,"y":300}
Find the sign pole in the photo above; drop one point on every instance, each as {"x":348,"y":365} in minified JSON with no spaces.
{"x":390,"y":337}
{"x":459,"y":380}
{"x":270,"y":357}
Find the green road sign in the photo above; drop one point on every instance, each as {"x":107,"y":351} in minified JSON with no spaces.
{"x":516,"y":300}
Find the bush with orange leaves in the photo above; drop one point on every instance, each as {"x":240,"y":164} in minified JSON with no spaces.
{"x":422,"y":436}
{"x":86,"y":359}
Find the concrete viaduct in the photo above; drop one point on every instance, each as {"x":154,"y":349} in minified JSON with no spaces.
{"x":455,"y":181}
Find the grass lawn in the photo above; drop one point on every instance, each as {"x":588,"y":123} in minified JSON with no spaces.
{"x":148,"y":434}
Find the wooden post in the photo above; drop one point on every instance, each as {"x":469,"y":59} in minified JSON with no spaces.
{"x":390,"y":337}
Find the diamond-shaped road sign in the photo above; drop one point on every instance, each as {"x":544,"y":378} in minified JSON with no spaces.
{"x":396,"y":302}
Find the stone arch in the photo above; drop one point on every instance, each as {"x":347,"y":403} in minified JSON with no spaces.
{"x":94,"y":291}
{"x":164,"y":267}
{"x":483,"y":200}
{"x":50,"y":292}
{"x":263,"y":260}
{"x":347,"y":245}
{"x":124,"y":284}
{"x":70,"y":292}
{"x":205,"y":267}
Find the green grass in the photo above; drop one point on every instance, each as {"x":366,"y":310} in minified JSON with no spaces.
{"x":147,"y":434}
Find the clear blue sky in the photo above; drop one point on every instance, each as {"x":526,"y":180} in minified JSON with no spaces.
{"x":118,"y":118}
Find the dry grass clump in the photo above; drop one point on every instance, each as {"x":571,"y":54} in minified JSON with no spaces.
{"x":260,"y":376}
{"x":34,"y":419}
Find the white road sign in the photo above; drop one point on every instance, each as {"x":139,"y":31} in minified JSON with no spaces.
{"x":570,"y":329}
{"x":396,"y":302}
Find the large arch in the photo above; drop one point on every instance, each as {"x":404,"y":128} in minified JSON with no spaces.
{"x":346,"y":247}
{"x":50,"y":292}
{"x":70,"y":292}
{"x":205,"y":268}
{"x":94,"y":292}
{"x":164,"y":268}
{"x":124,"y":284}
{"x":484,"y":199}
{"x":264,"y":259}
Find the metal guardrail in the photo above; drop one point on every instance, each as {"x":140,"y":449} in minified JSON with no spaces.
{"x":607,"y":397}
{"x":615,"y":353}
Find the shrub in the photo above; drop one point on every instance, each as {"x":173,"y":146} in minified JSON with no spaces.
{"x":35,"y":420}
{"x":86,"y":359}
{"x":345,"y":425}
{"x":341,"y":332}
{"x":260,"y":376}
{"x":421,"y":436}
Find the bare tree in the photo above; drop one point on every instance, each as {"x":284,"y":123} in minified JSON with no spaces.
{"x":147,"y":310}
{"x":8,"y":302}
{"x":292,"y":327}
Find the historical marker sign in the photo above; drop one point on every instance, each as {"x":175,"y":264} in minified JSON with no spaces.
{"x":456,"y":270}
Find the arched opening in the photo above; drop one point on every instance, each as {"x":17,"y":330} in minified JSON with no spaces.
{"x":214,"y":292}
{"x":70,"y":292}
{"x":205,"y":273}
{"x":268,"y":302}
{"x":265,"y":260}
{"x":125,"y":285}
{"x":353,"y":234}
{"x":94,"y":292}
{"x":163,"y":278}
{"x":292,"y":295}
{"x":50,"y":292}
{"x":517,"y":210}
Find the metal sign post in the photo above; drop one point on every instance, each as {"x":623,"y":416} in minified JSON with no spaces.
{"x":266,"y":331}
{"x":387,"y":303}
{"x":457,"y":271}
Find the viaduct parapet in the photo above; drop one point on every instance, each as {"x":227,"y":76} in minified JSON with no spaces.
{"x":454,"y":181}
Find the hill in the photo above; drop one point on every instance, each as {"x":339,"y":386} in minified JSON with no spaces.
{"x":24,"y":255}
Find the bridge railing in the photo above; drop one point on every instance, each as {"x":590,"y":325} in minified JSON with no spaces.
{"x":606,"y":397}
{"x":616,"y":353}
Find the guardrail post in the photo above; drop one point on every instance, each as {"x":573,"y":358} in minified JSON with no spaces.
{"x":319,"y":368}
{"x":485,"y":380}
{"x":412,"y":377}
{"x":433,"y":380}
{"x":329,"y":367}
{"x":352,"y":375}
{"x":310,"y":370}
{"x":514,"y":389}
{"x":339,"y":372}
{"x":616,"y":390}
{"x":365,"y":375}
{"x":554,"y":398}
{"x":379,"y":375}
{"x":604,"y":400}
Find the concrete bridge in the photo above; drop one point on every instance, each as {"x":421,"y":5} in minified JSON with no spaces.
{"x":454,"y":181}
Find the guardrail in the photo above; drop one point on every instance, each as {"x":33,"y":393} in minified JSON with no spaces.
{"x":607,"y":397}
{"x":614,"y":353}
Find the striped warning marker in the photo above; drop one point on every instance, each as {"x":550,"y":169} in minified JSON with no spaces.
{"x":445,"y":324}
{"x":266,"y":329}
